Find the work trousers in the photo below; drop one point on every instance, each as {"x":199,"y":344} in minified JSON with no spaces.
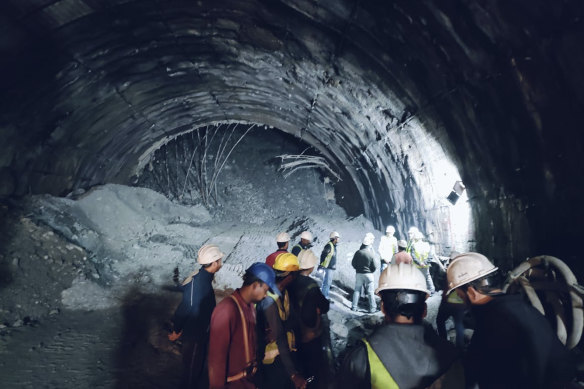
{"x":429,"y":283}
{"x":327,"y":281}
{"x":365,"y":281}
{"x":457,"y":312}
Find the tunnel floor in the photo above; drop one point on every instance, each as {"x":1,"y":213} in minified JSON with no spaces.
{"x":73,"y":318}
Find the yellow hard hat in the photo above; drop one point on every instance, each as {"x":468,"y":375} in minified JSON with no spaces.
{"x":466,"y":268}
{"x":286,"y":262}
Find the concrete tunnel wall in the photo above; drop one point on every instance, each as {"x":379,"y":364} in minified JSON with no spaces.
{"x":389,"y":92}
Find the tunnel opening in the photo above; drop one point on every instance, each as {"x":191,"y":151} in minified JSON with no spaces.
{"x":240,"y":169}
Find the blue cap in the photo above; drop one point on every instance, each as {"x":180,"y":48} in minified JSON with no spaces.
{"x":264,"y":273}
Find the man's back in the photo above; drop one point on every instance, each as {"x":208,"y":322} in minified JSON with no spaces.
{"x":514,"y":346}
{"x":363,"y":261}
{"x":413,"y":356}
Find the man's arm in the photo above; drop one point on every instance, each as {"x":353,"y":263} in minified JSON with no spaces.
{"x":355,"y":371}
{"x":220,"y":338}
{"x":279,"y":335}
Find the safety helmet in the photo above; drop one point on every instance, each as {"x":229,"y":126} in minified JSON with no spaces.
{"x":413,"y":230}
{"x":282,"y":237}
{"x":390,"y":229}
{"x":264,"y":273}
{"x":466,"y":268}
{"x":286,"y":262}
{"x":402,"y":243}
{"x":402,"y":276}
{"x":209,"y":253}
{"x":334,"y":235}
{"x":418,"y":235}
{"x":306,"y":235}
{"x":369,"y":239}
{"x":307,"y":259}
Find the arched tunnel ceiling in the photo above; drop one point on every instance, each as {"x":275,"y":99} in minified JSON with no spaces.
{"x":385,"y":90}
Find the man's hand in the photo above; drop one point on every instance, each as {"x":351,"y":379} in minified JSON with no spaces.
{"x":173,"y":336}
{"x":299,"y":381}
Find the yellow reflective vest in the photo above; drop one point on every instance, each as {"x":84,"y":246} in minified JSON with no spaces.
{"x":271,"y":351}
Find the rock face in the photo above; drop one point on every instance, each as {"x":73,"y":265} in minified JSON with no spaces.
{"x":405,"y":97}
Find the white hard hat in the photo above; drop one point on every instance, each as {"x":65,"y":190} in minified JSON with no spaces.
{"x":466,"y":268}
{"x":413,"y":230}
{"x":334,"y":235}
{"x":390,"y":229}
{"x":307,"y":259}
{"x":306,"y":235}
{"x":282,"y":237}
{"x":418,"y":235}
{"x":402,"y":276}
{"x":402,"y":243}
{"x":368,"y":239}
{"x":209,"y":253}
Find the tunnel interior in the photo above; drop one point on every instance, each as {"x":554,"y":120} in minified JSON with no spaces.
{"x":392,"y":103}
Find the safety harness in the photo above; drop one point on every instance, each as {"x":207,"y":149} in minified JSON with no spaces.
{"x":272,"y":351}
{"x":251,"y":366}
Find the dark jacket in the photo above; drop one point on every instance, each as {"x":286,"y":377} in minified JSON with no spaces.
{"x":325,"y":251}
{"x":363,"y":260}
{"x":414,"y":356}
{"x":193,"y":315}
{"x":306,"y":298}
{"x":514,"y":346}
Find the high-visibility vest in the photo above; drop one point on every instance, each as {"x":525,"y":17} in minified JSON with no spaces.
{"x":380,"y":377}
{"x":419,"y":251}
{"x":327,"y":259}
{"x":271,"y":351}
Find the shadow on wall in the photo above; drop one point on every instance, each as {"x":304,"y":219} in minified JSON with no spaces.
{"x":145,"y":357}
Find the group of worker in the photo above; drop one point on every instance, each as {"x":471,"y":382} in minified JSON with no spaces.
{"x":272,"y":332}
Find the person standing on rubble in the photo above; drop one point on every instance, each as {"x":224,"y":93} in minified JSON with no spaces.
{"x":304,"y":244}
{"x":310,"y":306}
{"x":282,"y":240}
{"x":364,"y":264}
{"x":192,"y":317}
{"x":328,"y":262}
{"x":420,"y":251}
{"x":277,"y":328}
{"x":402,"y":353}
{"x":513,"y":345}
{"x":387,"y":247}
{"x":232,"y":345}
{"x":402,"y":256}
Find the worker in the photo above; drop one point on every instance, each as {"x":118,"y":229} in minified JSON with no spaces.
{"x":364,"y":264}
{"x":513,"y":345}
{"x":232,"y":345}
{"x":387,"y":247}
{"x":451,"y":306}
{"x":304,"y":244}
{"x":282,"y":240}
{"x":193,"y":315}
{"x":310,"y":305}
{"x":420,"y":250}
{"x":277,"y":326}
{"x":328,"y":262}
{"x":402,"y":256}
{"x":402,"y":353}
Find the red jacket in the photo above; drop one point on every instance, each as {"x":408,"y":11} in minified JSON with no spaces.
{"x":271,"y":259}
{"x":226,"y":356}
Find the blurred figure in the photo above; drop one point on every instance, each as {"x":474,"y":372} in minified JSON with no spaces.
{"x":282,"y":240}
{"x":513,"y":345}
{"x":192,"y":317}
{"x":420,"y":250}
{"x":310,"y":305}
{"x":277,"y":326}
{"x":402,"y":353}
{"x":364,"y":264}
{"x":232,"y":345}
{"x":328,"y":262}
{"x":387,"y":247}
{"x":304,"y":244}
{"x":402,"y":256}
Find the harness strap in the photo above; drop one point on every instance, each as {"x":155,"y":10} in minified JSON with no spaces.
{"x":248,"y":357}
